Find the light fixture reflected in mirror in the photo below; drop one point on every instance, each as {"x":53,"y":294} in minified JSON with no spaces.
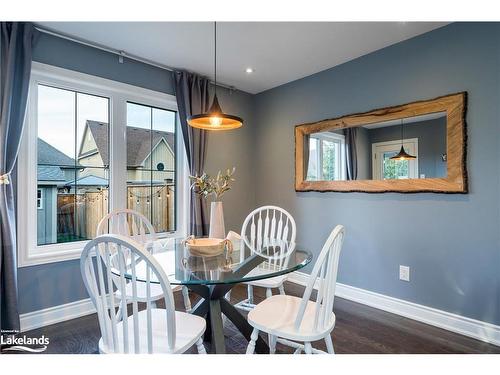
{"x":215,"y":119}
{"x":402,"y":154}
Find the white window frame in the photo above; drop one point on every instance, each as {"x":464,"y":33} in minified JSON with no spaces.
{"x":379,"y":148}
{"x":29,"y":253}
{"x":336,"y":138}
{"x":39,"y":201}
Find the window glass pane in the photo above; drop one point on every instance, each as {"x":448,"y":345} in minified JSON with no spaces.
{"x":163,"y":156}
{"x":151,"y":164}
{"x":93,"y":130}
{"x":163,"y":202}
{"x":91,"y":190}
{"x":139,"y":118}
{"x":394,"y":169}
{"x":56,"y":126}
{"x":69,"y":159}
{"x":312,"y":168}
{"x":329,"y":166}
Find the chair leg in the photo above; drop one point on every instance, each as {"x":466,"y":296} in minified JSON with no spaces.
{"x":272,"y":344}
{"x":253,"y":339}
{"x":200,"y":347}
{"x":269,"y":293}
{"x":329,"y":344}
{"x":308,"y":348}
{"x":282,"y":289}
{"x":187,"y":301}
{"x":250,"y":294}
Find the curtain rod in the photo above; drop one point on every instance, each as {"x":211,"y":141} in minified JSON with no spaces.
{"x":119,"y":53}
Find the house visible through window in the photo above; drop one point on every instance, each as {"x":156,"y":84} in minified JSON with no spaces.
{"x":326,"y":157}
{"x":151,"y":150}
{"x":72,"y":169}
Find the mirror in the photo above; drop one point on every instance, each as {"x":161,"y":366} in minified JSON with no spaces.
{"x":416,"y":147}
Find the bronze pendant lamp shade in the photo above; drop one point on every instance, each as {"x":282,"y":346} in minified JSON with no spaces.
{"x":402,"y":154}
{"x":215,"y":119}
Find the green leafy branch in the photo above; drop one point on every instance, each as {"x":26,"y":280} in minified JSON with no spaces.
{"x":205,"y":185}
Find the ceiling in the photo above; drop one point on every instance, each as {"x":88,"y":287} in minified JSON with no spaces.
{"x":279,"y":52}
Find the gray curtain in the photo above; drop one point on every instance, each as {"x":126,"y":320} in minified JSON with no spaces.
{"x":192,"y":92}
{"x":351,"y":157}
{"x":16,"y":45}
{"x":306,"y":151}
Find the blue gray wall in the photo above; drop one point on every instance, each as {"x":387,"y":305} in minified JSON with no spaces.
{"x":58,"y":283}
{"x":451,"y":242}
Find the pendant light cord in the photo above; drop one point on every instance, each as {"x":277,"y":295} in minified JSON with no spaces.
{"x":402,"y":132}
{"x":215,"y":56}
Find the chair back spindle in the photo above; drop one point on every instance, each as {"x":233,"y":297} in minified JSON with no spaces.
{"x":270,"y":231}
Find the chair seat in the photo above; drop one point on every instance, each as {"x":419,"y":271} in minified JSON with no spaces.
{"x":273,"y":282}
{"x":189,"y":328}
{"x":156,"y":291}
{"x":276,"y":316}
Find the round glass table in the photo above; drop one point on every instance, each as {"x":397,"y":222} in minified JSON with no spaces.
{"x":211,"y":277}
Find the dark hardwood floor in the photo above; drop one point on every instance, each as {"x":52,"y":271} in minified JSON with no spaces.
{"x":359,"y":329}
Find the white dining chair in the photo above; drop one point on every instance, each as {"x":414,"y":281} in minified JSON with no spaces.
{"x":264,"y":228}
{"x":298,"y":322}
{"x":151,"y":330}
{"x":136,"y":226}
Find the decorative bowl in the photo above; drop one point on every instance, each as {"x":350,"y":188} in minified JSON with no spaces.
{"x":208,"y":247}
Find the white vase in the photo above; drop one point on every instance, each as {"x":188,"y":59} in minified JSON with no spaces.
{"x":217,"y":229}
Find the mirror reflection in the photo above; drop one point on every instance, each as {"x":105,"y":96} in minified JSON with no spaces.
{"x":406,"y":148}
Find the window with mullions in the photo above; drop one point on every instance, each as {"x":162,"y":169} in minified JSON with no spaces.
{"x":151,"y":161}
{"x":326,"y":157}
{"x":72,"y":164}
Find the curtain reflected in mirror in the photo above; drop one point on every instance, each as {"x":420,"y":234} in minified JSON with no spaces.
{"x":351,"y":153}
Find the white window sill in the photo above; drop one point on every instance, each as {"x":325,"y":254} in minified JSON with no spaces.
{"x":51,"y":253}
{"x":62,"y":252}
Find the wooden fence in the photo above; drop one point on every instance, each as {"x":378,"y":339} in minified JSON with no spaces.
{"x":157,"y":204}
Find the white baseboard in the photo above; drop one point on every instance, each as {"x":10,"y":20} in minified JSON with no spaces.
{"x":56,"y":314}
{"x":477,"y":329}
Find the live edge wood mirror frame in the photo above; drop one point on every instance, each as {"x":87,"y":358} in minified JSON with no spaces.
{"x":454,"y":176}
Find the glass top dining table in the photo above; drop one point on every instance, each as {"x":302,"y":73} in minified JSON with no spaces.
{"x":212,"y":277}
{"x":183,"y":268}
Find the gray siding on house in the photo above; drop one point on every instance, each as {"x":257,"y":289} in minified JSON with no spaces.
{"x":46,"y":221}
{"x":451,"y":242}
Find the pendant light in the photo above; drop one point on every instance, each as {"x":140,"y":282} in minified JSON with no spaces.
{"x":215,"y":119}
{"x":402,"y":155}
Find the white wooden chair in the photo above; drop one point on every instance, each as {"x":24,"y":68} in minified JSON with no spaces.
{"x":264,"y":228}
{"x":136,"y":226}
{"x":291,"y":320}
{"x":148,"y":331}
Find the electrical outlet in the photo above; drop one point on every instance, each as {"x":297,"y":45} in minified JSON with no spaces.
{"x":404,"y":273}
